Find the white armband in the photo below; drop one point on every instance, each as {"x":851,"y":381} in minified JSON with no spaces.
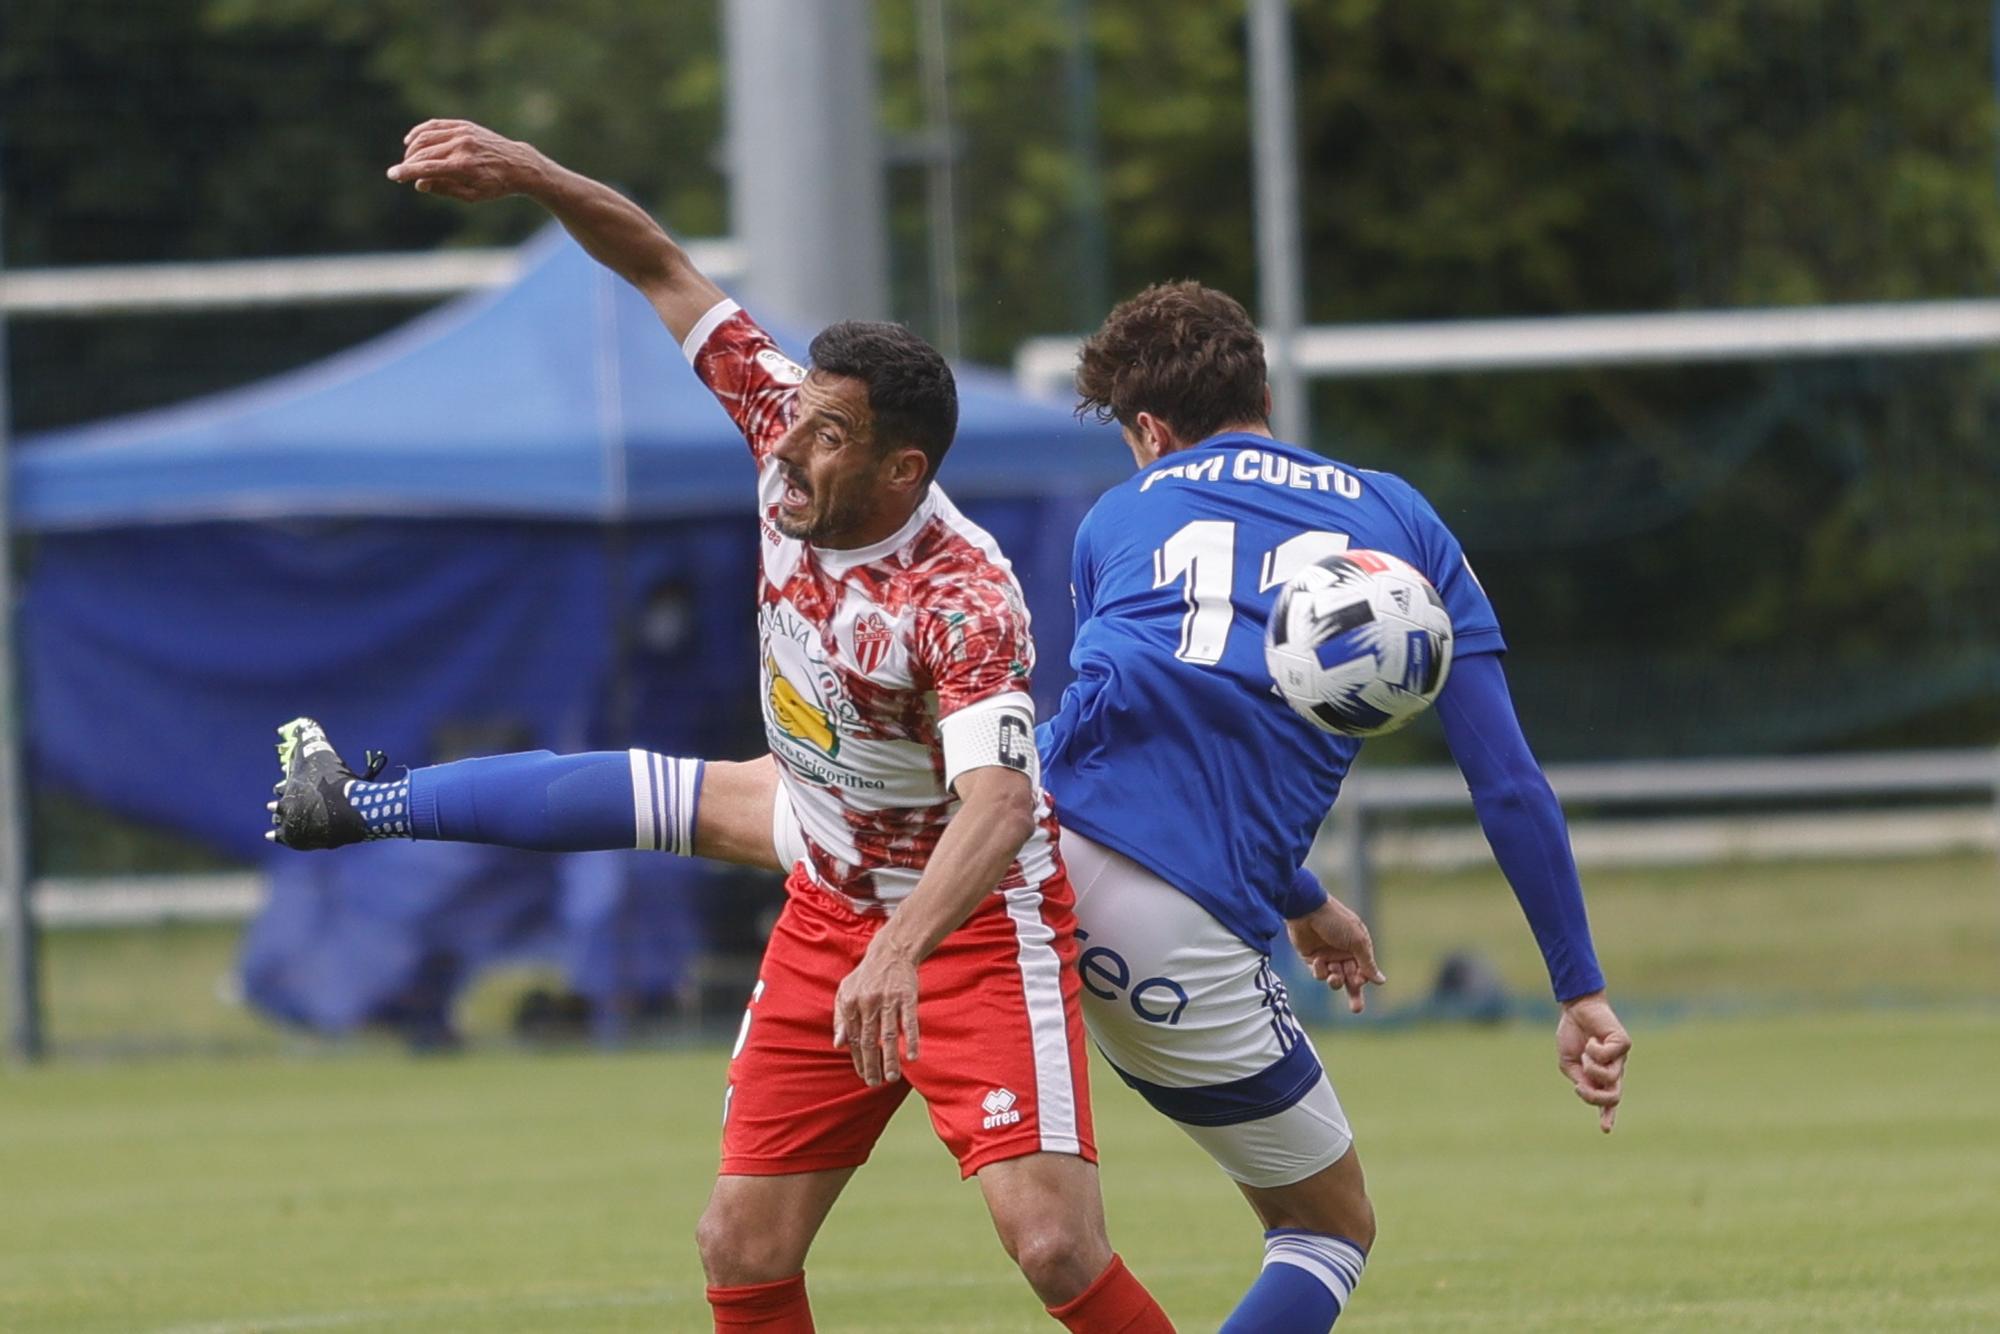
{"x":995,"y":732}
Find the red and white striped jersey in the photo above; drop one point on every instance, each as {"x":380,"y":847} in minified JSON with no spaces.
{"x":888,"y":670}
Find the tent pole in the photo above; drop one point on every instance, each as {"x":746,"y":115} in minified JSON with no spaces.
{"x":24,"y":1009}
{"x":620,"y":715}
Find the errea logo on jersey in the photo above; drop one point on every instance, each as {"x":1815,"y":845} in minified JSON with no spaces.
{"x":1000,"y":1109}
{"x":781,"y":367}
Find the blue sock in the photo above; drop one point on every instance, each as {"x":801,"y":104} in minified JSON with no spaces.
{"x":557,"y":803}
{"x":1306,"y":1280}
{"x":383,"y":807}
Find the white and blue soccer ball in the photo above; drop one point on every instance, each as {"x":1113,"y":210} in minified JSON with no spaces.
{"x":1359,"y":643}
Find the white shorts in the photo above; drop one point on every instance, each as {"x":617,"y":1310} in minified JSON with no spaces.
{"x":1199,"y":1024}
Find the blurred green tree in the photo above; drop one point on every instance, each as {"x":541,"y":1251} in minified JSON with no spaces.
{"x":1791,"y":526}
{"x":630,"y":93}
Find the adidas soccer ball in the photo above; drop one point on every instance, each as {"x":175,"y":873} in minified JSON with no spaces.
{"x":1359,"y":643}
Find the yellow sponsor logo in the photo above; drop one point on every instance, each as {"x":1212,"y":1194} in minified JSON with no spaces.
{"x":800,"y":718}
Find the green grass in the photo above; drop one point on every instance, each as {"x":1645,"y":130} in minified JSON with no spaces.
{"x":1814,"y":1162}
{"x":1787,"y":1172}
{"x":1732,"y":936}
{"x":1821,"y":932}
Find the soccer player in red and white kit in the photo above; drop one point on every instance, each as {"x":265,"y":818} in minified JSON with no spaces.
{"x":927,"y":940}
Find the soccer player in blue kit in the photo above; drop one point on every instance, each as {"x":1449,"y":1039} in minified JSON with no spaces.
{"x":1189,"y":792}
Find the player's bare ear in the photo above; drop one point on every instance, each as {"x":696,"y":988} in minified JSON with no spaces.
{"x":907,"y":468}
{"x":1152,"y":438}
{"x":1267,"y":402}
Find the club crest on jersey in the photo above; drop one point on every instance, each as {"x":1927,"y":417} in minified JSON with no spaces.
{"x":871,"y":642}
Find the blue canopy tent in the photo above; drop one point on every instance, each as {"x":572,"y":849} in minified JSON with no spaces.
{"x":517,"y":522}
{"x":558,"y":398}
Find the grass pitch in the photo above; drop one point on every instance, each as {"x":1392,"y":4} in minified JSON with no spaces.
{"x":1834,"y":1171}
{"x":1732,"y":937}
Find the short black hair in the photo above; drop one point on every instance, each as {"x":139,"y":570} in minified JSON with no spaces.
{"x":911,"y":392}
{"x":1186,"y":353}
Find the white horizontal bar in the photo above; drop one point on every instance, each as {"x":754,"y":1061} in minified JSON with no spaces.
{"x":1851,"y":776}
{"x":1681,"y":841}
{"x":146,"y":900}
{"x":1047,"y":365}
{"x":236,"y":283}
{"x":1583,"y":340}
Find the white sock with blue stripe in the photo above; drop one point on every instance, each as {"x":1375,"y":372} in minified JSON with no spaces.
{"x":1305,"y":1283}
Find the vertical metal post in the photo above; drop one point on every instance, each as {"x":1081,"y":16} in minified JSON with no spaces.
{"x":934,"y":60}
{"x":805,"y":157}
{"x":1358,"y":877}
{"x":24,"y":993}
{"x":1090,"y":283}
{"x":1993,"y":59}
{"x":1280,"y":265}
{"x":1996,"y":799}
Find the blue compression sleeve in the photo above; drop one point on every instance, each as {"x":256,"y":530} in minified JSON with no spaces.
{"x":1522,"y":820}
{"x":1301,"y":896}
{"x":559,"y":803}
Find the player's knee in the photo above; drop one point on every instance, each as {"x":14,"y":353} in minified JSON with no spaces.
{"x":1361,"y":1224}
{"x":1059,"y":1258}
{"x":1333,"y":1201}
{"x":737,"y":1250}
{"x":1346,"y":1213}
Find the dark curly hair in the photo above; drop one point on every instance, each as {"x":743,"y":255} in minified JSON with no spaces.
{"x":911,"y":392}
{"x":1185,"y":353}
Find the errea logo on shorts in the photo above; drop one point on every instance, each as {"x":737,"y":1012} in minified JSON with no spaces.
{"x":1000,"y":1109}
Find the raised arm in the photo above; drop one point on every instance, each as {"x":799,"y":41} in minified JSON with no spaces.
{"x":462,"y":160}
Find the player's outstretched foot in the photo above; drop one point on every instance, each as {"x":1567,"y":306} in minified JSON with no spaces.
{"x":312,"y":809}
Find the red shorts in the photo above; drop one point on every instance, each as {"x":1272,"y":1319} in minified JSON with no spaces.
{"x":1001,"y":1060}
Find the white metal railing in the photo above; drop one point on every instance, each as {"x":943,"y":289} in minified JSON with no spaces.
{"x":1363,"y":832}
{"x":137,"y":289}
{"x":1348,"y":844}
{"x":1046,"y":366}
{"x":147,"y":900}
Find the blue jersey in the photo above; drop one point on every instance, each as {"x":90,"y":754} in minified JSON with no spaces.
{"x":1172,"y":746}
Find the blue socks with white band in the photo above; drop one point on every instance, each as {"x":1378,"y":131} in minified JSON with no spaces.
{"x":542,"y":801}
{"x":1306,"y":1281}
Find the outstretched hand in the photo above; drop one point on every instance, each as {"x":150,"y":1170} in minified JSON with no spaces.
{"x":1591,"y":1046}
{"x":461,"y":160}
{"x":1335,"y":942}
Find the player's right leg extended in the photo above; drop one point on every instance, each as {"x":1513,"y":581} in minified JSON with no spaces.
{"x":1195,"y":1021}
{"x":602,"y":800}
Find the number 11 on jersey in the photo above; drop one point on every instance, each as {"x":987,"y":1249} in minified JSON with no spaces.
{"x":1202,"y":555}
